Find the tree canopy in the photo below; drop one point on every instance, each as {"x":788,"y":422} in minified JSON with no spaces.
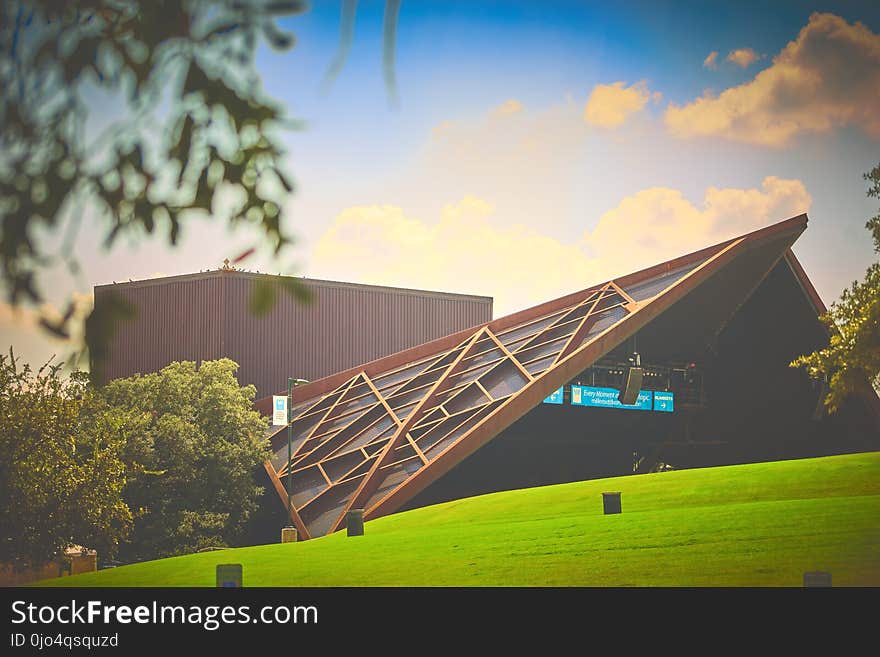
{"x":194,"y":124}
{"x":852,"y":358}
{"x":61,"y":468}
{"x":190,"y":482}
{"x":145,"y":467}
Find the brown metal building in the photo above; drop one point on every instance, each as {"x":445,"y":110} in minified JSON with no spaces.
{"x":207,"y":315}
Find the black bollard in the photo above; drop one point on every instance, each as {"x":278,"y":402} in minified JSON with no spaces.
{"x":354,"y":522}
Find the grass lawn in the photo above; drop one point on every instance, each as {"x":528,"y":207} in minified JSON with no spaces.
{"x":761,"y":524}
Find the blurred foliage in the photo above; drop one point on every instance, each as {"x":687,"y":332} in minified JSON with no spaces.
{"x":61,"y":466}
{"x":145,"y":467}
{"x":851,"y":360}
{"x":194,"y":122}
{"x":191,"y":460}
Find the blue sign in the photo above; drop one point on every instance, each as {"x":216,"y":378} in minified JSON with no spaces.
{"x":279,"y":403}
{"x":555,"y":397}
{"x":664,"y":401}
{"x":607,"y":398}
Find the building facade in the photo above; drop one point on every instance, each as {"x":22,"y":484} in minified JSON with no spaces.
{"x":209,"y":315}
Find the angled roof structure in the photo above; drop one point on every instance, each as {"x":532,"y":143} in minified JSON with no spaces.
{"x":375,"y":436}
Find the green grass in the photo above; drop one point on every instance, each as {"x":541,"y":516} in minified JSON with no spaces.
{"x":761,"y":524}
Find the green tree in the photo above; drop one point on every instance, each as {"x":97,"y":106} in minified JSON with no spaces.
{"x":852,"y":357}
{"x":193,"y":121}
{"x":61,"y":467}
{"x":190,"y":483}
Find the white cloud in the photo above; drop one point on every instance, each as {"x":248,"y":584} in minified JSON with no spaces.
{"x":610,"y":105}
{"x":471,"y":250}
{"x":742,"y":57}
{"x":828,"y":77}
{"x":711,"y":60}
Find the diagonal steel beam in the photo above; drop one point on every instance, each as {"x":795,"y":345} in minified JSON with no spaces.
{"x":312,"y":431}
{"x":301,"y":528}
{"x":371,"y":481}
{"x":381,"y":398}
{"x":509,"y":355}
{"x":583,"y":328}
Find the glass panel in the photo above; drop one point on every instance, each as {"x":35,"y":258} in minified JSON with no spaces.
{"x":362,"y":469}
{"x":323,"y":512}
{"x":539,"y":351}
{"x":538,"y":366}
{"x":405,"y":398}
{"x":386,"y":383}
{"x":374,"y":447}
{"x":306,"y":485}
{"x":397,"y":474}
{"x":403,"y":412}
{"x":337,"y":466}
{"x":468,"y":398}
{"x":511,"y":335}
{"x":485,"y":357}
{"x":329,"y":426}
{"x":459,"y":431}
{"x":609,"y":318}
{"x":376,"y":419}
{"x":405,"y":451}
{"x":438,"y":431}
{"x":653,"y":286}
{"x":465,"y":377}
{"x":352,"y":404}
{"x":504,"y":380}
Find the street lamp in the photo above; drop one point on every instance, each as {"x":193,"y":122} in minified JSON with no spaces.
{"x":291,"y":384}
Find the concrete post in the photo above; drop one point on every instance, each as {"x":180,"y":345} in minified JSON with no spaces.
{"x":288,"y":535}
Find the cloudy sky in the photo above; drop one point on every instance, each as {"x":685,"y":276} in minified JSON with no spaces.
{"x":535,"y":148}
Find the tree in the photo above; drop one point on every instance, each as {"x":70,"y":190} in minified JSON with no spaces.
{"x":195,"y":124}
{"x":852,"y":357}
{"x":190,"y":481}
{"x":61,"y":467}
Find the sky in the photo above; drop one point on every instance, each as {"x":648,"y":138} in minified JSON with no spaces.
{"x":537,"y":148}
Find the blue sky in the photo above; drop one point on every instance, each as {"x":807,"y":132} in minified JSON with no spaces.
{"x":538,"y":148}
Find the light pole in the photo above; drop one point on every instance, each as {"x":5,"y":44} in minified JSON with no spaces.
{"x":291,"y":384}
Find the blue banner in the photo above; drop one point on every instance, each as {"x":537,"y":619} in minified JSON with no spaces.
{"x":607,"y":398}
{"x":555,"y":397}
{"x":664,"y":401}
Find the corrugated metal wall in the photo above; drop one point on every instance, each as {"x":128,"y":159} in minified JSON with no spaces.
{"x":206,"y":316}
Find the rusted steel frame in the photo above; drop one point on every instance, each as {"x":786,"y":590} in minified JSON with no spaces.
{"x":531,"y":395}
{"x":337,"y":451}
{"x":371,"y":482}
{"x":351,"y":417}
{"x":507,"y":353}
{"x":400,"y":359}
{"x":483,"y":390}
{"x":586,"y":324}
{"x":627,"y":299}
{"x":417,"y":449}
{"x":471,"y":412}
{"x":312,"y":431}
{"x":317,"y":497}
{"x":381,"y":398}
{"x":442,"y":419}
{"x":301,"y":528}
{"x":323,"y":473}
{"x":562,"y":319}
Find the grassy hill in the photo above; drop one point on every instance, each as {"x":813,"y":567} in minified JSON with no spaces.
{"x":761,"y":524}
